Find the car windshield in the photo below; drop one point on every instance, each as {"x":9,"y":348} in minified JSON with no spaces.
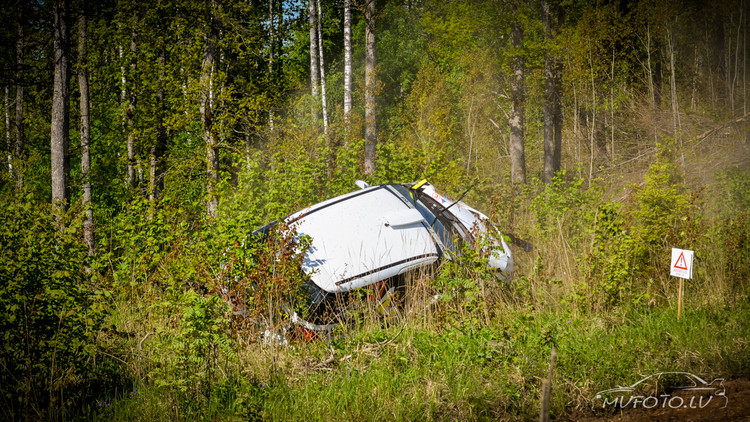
{"x":448,"y":229}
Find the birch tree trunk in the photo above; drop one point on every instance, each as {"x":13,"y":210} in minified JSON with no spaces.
{"x":130,"y":110}
{"x":60,"y":123}
{"x":7,"y":129}
{"x":551,"y":103}
{"x":313,"y":57}
{"x":156,"y":169}
{"x":370,"y":112}
{"x":515,"y":121}
{"x":20,"y":129}
{"x":592,"y":125}
{"x":322,"y":70}
{"x":736,"y":60}
{"x":271,"y":30}
{"x":557,"y":113}
{"x":676,"y":125}
{"x":673,"y":93}
{"x":612,"y":105}
{"x":347,"y":61}
{"x":83,"y":86}
{"x":206,"y":112}
{"x":651,"y":85}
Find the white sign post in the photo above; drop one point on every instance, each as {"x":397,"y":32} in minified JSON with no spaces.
{"x":681,"y":266}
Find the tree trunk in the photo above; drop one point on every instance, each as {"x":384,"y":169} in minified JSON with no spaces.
{"x":347,"y":61}
{"x":370,"y":113}
{"x":649,"y":70}
{"x":676,"y":126}
{"x":156,"y":168}
{"x":271,"y":30}
{"x":657,"y":76}
{"x":557,"y":114}
{"x":673,"y":93}
{"x":130,"y":111}
{"x":576,"y":128}
{"x":322,"y":70}
{"x":517,"y":158}
{"x":60,"y":109}
{"x":313,"y":57}
{"x":20,"y":130}
{"x":83,"y":85}
{"x":206,"y":111}
{"x":592,"y":125}
{"x":551,"y":103}
{"x":652,"y":86}
{"x":736,"y":60}
{"x":612,"y":105}
{"x":7,"y":129}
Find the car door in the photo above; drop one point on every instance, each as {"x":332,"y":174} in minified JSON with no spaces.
{"x":362,"y":238}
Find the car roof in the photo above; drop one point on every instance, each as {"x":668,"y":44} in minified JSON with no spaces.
{"x":354,"y":244}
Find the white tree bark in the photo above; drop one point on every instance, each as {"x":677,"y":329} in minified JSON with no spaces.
{"x":83,"y":85}
{"x":156,"y":166}
{"x":551,"y":107}
{"x":206,"y":112}
{"x":271,"y":30}
{"x":370,"y":81}
{"x":347,"y":60}
{"x":592,"y":126}
{"x":322,"y":70}
{"x":313,"y":54}
{"x":515,"y":120}
{"x":7,"y":129}
{"x":20,"y":130}
{"x":131,"y":98}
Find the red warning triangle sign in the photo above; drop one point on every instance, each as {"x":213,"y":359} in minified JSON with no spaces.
{"x":681,"y":264}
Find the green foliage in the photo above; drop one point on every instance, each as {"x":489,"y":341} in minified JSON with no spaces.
{"x":264,"y":274}
{"x":733,"y":191}
{"x":610,"y":267}
{"x":50,"y":312}
{"x":194,"y":357}
{"x":733,"y":228}
{"x":565,"y":205}
{"x":189,"y":294}
{"x":662,"y":216}
{"x":463,"y":283}
{"x":134,"y":247}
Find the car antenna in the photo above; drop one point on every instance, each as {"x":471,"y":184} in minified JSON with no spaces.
{"x":454,"y":203}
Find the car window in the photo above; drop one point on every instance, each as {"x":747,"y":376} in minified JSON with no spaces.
{"x":444,"y":224}
{"x":428,"y":215}
{"x":447,"y":225}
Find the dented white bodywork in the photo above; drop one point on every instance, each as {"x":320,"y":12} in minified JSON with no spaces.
{"x":382,"y":231}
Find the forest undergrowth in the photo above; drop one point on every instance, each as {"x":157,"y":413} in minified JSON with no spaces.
{"x":167,"y":321}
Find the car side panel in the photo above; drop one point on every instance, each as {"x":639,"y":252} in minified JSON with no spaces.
{"x":353,"y":243}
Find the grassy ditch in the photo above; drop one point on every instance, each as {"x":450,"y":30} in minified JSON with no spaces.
{"x":406,"y":370}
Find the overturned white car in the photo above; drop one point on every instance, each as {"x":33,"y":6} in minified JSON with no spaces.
{"x":382,"y":233}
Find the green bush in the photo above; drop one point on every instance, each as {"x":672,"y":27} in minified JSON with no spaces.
{"x":193,"y":359}
{"x":661,"y":217}
{"x":610,"y":265}
{"x":50,"y":312}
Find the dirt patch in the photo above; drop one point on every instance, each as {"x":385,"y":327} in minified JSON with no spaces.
{"x":737,"y":408}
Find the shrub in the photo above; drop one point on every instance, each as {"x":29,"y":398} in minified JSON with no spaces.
{"x":610,"y":264}
{"x":663,"y":215}
{"x":49,"y":312}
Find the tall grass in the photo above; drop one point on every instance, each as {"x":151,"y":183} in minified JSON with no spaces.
{"x":459,"y":345}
